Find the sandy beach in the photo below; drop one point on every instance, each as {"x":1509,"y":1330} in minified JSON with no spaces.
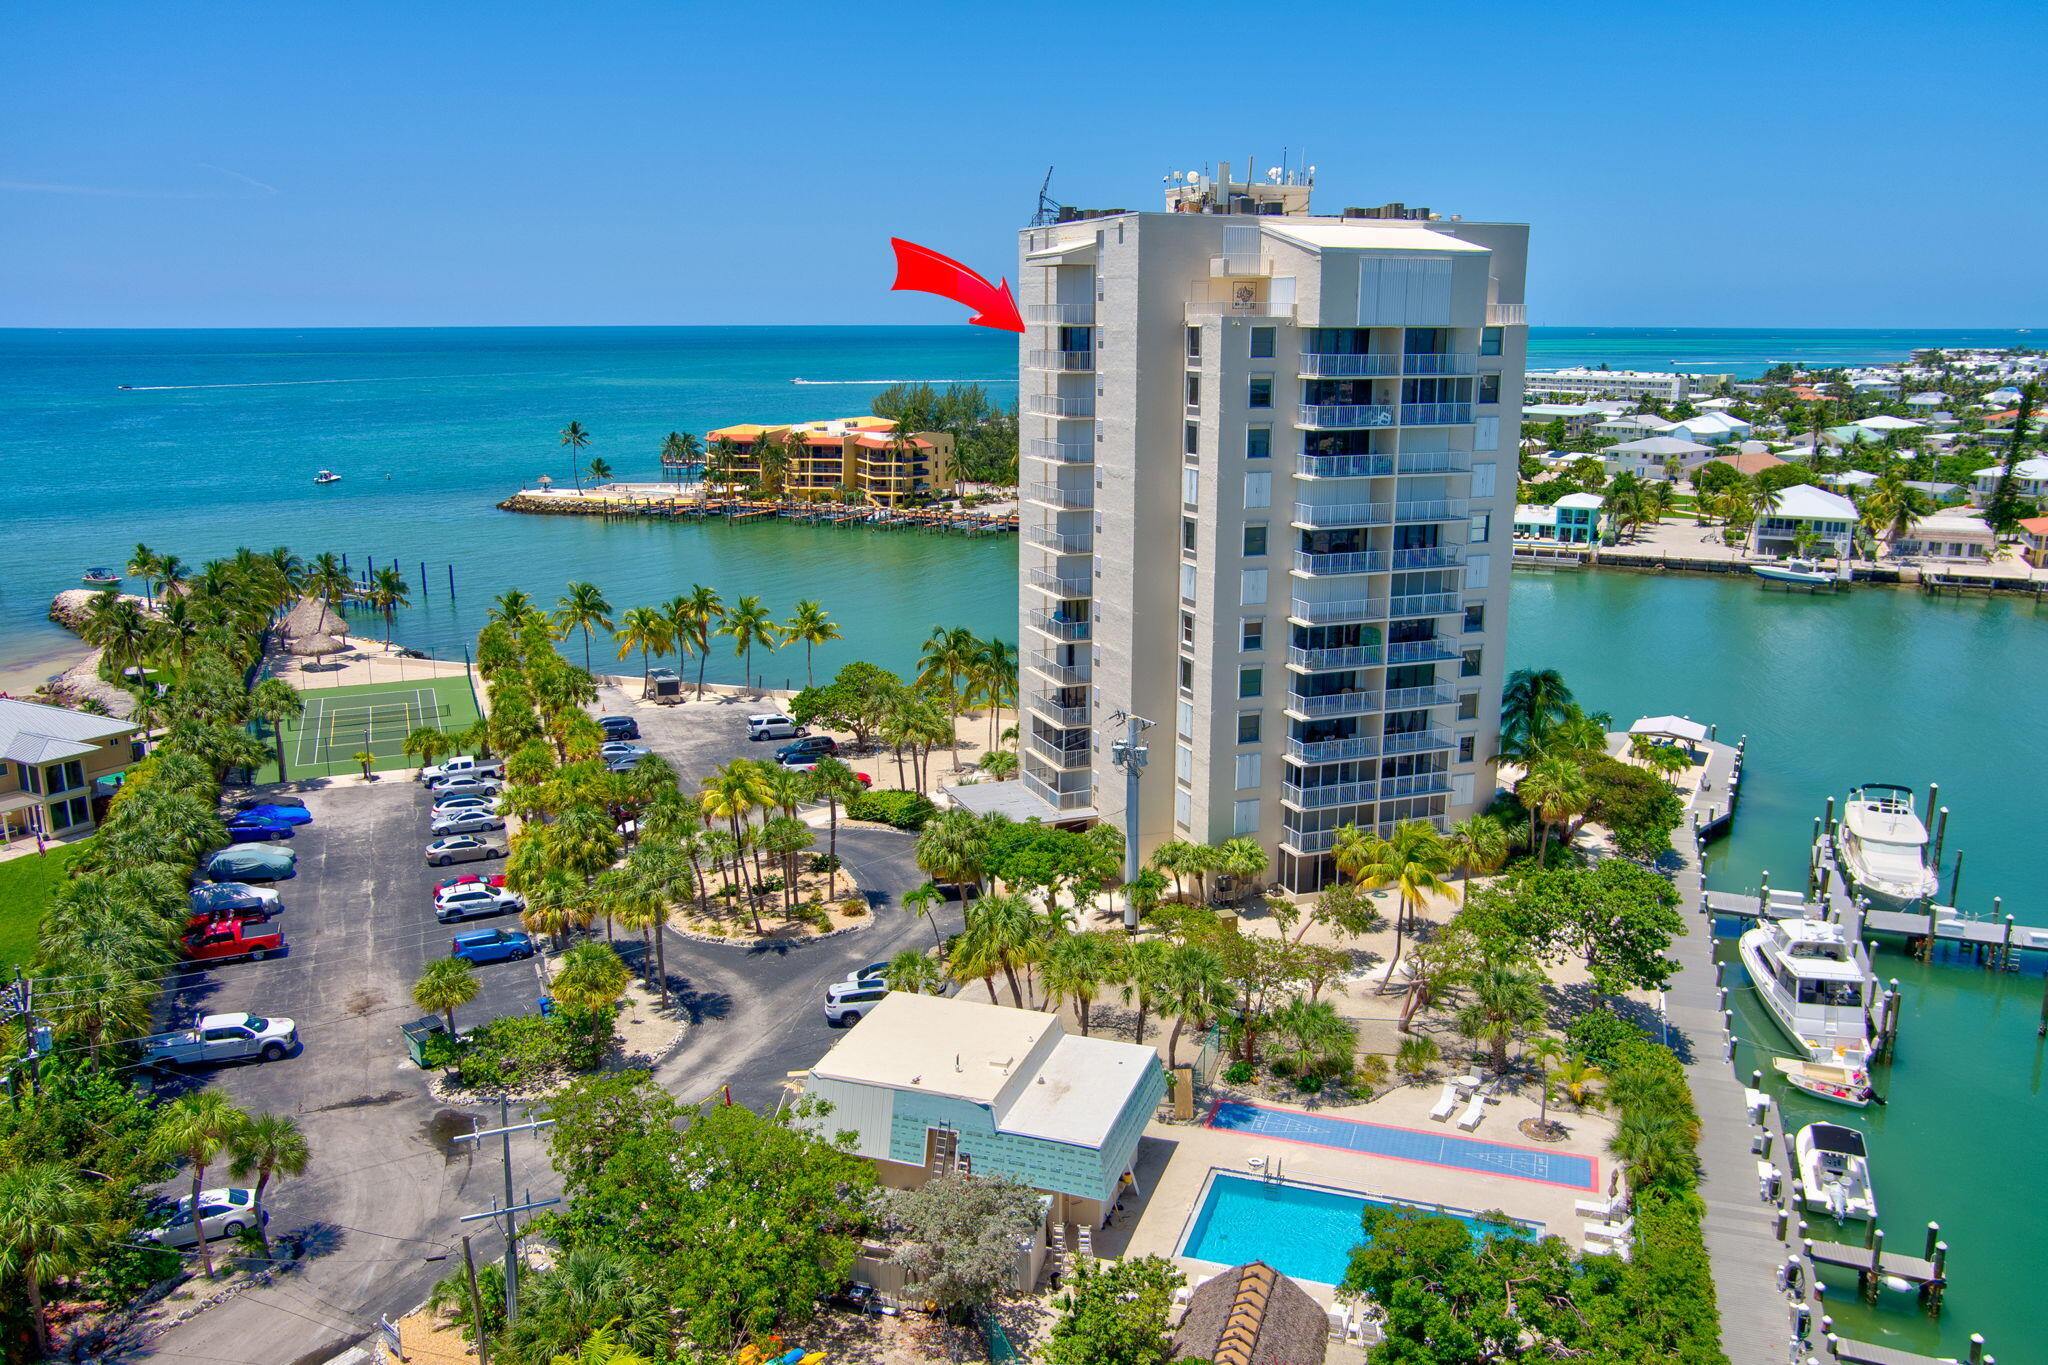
{"x":23,"y":676}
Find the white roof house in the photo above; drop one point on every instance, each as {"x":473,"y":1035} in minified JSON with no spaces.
{"x":1633,"y":426}
{"x":1929,"y":401}
{"x":1670,"y":727}
{"x":1804,"y":502}
{"x":1710,"y":428}
{"x":1650,"y":457}
{"x":1882,"y":422}
{"x":2030,"y":478}
{"x":1850,"y":478}
{"x":1958,"y":533}
{"x":33,"y":733}
{"x":1805,"y":510}
{"x":2002,"y":397}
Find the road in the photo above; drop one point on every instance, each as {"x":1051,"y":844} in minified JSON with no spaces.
{"x":380,"y":1202}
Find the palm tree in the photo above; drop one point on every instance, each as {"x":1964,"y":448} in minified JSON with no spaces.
{"x":272,"y":1146}
{"x":1004,"y":930}
{"x":1074,"y":970}
{"x":444,"y":987}
{"x":680,"y":450}
{"x":514,"y":608}
{"x":1416,"y":1055}
{"x":1195,"y":986}
{"x":994,"y":677}
{"x":427,"y":744}
{"x":327,"y":581}
{"x":144,"y":564}
{"x":575,"y":437}
{"x":1575,"y":1079}
{"x":1478,"y":844}
{"x":201,"y":1126}
{"x":1139,"y":976}
{"x":1177,"y":856}
{"x":50,"y":1227}
{"x":915,"y":973}
{"x":949,"y":656}
{"x":582,"y":607}
{"x":1240,"y":859}
{"x":600,"y":471}
{"x":749,"y":624}
{"x":926,"y":900}
{"x":833,"y":783}
{"x":732,"y":793}
{"x":1533,"y":700}
{"x":590,"y":977}
{"x":171,"y":573}
{"x":388,"y":592}
{"x":1505,"y":1004}
{"x":275,"y":701}
{"x":2005,"y":506}
{"x":647,"y":630}
{"x":1319,"y":1038}
{"x":813,"y":627}
{"x":694,"y":615}
{"x":1554,"y":790}
{"x":953,"y":848}
{"x":1414,"y":861}
{"x":999,"y":764}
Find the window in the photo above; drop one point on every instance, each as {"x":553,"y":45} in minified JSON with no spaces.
{"x":1187,"y":536}
{"x":1258,"y":443}
{"x":1475,"y":618}
{"x":1251,"y":682}
{"x":31,"y":779}
{"x":1187,"y":582}
{"x":1489,"y":340}
{"x":1244,"y":817}
{"x":1258,"y":489}
{"x":1468,"y":706}
{"x":1183,"y":811}
{"x":1191,"y":486}
{"x":1486,"y":433}
{"x":1184,"y":720}
{"x":1489,"y":387}
{"x":1262,"y":342}
{"x":1470,"y":668}
{"x":1248,"y":727}
{"x":1261,"y":391}
{"x":1254,"y":539}
{"x":1194,"y":343}
{"x":1194,"y":391}
{"x":1248,"y":772}
{"x":1467,"y":746}
{"x":1481,"y":529}
{"x":1187,"y":677}
{"x":1184,"y":762}
{"x":1251,"y":634}
{"x":1191,"y":438}
{"x":1251,"y":588}
{"x":1482,"y":478}
{"x":1187,"y":629}
{"x":1478,"y":570}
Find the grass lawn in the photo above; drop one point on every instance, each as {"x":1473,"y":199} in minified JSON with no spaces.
{"x":26,"y":884}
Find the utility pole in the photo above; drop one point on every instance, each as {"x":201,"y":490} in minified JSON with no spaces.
{"x":510,"y":1210}
{"x":1128,"y":753}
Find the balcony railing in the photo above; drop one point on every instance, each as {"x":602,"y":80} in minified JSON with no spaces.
{"x":1224,"y":308}
{"x":1354,"y":561}
{"x":1060,"y":755}
{"x":1421,"y":652}
{"x":1333,"y":704}
{"x":1054,"y":405}
{"x":1072,"y":674}
{"x":1071,"y":362}
{"x":1506,"y":314}
{"x":1448,"y":362}
{"x":1333,"y":750}
{"x":1060,"y":452}
{"x":1052,"y":495}
{"x":1435,"y":414}
{"x":1343,"y":466}
{"x":1327,"y":795}
{"x":1344,"y":416}
{"x":1309,"y":841}
{"x":1436,"y":462}
{"x":1078,"y":543}
{"x":1341,"y":656}
{"x":1346,"y":612}
{"x":1417,"y":784}
{"x":1061,"y":314}
{"x":1059,"y":627}
{"x":1068,"y":587}
{"x":1435,"y":557}
{"x":1416,"y":742}
{"x":1410,"y":698}
{"x":1314,"y":514}
{"x":1075,"y":798}
{"x":1066,"y":717}
{"x":1424,"y":604}
{"x":1431,"y":509}
{"x":1314,"y":366}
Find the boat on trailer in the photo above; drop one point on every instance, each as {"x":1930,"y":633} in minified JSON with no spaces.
{"x":1883,"y":847}
{"x":1834,"y":1172}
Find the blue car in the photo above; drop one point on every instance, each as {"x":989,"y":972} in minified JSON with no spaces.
{"x":492,"y":945}
{"x":254,"y":829}
{"x":284,"y":815}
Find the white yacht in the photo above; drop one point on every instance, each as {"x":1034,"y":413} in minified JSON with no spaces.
{"x":1883,"y":847}
{"x":1815,"y":984}
{"x":1834,"y":1172}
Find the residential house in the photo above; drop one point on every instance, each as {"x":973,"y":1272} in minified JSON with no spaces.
{"x":60,"y":767}
{"x":928,"y":1085}
{"x":2034,"y":541}
{"x":1959,"y":535}
{"x":1578,"y":418}
{"x":1883,"y":388}
{"x":1883,"y":423}
{"x":1573,"y":519}
{"x":1633,"y":426}
{"x":1926,"y":404}
{"x":1744,"y":461}
{"x":1850,"y":478}
{"x":1710,"y":429}
{"x":1653,"y":457}
{"x":1940,"y":492}
{"x":2030,"y":478}
{"x":1854,"y":434}
{"x":1802,"y":508}
{"x":1999,"y":398}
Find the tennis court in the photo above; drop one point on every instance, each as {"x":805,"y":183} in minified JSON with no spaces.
{"x":371,"y":718}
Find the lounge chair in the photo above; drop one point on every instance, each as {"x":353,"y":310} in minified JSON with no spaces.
{"x":1474,"y":1111}
{"x":1340,"y":1323}
{"x":1445,"y":1102}
{"x":1613,"y":1232}
{"x":1602,"y":1209}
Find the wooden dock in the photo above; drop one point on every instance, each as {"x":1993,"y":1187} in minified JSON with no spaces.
{"x":625,"y":507}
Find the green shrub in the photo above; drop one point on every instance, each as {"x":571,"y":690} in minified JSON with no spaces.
{"x":1237,"y":1073}
{"x":527,"y":1048}
{"x":904,"y":810}
{"x":1598,"y":1034}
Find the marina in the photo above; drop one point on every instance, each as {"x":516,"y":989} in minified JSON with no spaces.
{"x":636,"y":502}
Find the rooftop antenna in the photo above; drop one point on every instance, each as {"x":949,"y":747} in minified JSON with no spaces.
{"x":1048,"y":207}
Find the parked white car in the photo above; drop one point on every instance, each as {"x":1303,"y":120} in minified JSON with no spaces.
{"x":472,"y":900}
{"x":223,"y":1212}
{"x":774,"y":725}
{"x":467,"y":801}
{"x":463,"y":765}
{"x":467,"y":822}
{"x":846,"y":1002}
{"x":444,"y":787}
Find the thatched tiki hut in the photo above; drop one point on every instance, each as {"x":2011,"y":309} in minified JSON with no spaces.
{"x":1253,"y":1315}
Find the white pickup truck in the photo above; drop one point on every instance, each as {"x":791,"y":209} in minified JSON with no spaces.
{"x":225,"y":1038}
{"x":463,"y":766}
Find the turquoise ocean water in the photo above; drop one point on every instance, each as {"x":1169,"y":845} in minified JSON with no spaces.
{"x":217,"y":443}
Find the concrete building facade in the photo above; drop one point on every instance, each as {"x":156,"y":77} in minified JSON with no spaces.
{"x":1270,"y":468}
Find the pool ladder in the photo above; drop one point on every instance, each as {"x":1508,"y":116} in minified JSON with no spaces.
{"x":1266,"y":1168}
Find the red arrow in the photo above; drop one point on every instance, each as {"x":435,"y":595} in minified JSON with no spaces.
{"x":925,"y":271}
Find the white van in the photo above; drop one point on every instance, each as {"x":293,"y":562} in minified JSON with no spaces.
{"x":845,"y":1006}
{"x":774,"y":726}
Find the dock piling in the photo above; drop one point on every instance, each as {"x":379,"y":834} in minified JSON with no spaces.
{"x":1940,"y":833}
{"x":1976,"y":1348}
{"x":1933,"y":1240}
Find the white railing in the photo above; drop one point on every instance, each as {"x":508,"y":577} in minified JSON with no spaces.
{"x":1047,"y":581}
{"x":1333,"y":704}
{"x":1416,"y":741}
{"x":1421,"y":652}
{"x":1343,"y":466}
{"x":1077,"y":672}
{"x":1071,"y":361}
{"x":1054,"y":405}
{"x":1224,"y":308}
{"x":1506,"y":314}
{"x":1052,"y":495}
{"x":1416,"y":698}
{"x":1341,"y":513}
{"x":1420,"y":784}
{"x":1436,"y":462}
{"x":1384,"y":364}
{"x":1424,"y":604}
{"x":1329,"y":794}
{"x":1060,"y":452}
{"x":1061,"y":314}
{"x":1441,"y":557}
{"x":1065,"y":756}
{"x":1057,"y":795}
{"x":1345,"y":612}
{"x":1430,"y":509}
{"x":1355,"y":561}
{"x":1338,"y":416}
{"x":1435,"y":414}
{"x":1249,"y":264}
{"x":1066,"y":717}
{"x":1333,"y":750}
{"x":1447,"y":362}
{"x":1309,"y":840}
{"x":1080,"y":543}
{"x":1059,"y":627}
{"x":1337,"y":656}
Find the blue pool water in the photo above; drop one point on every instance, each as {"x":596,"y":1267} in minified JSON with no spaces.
{"x":1409,"y":1144}
{"x":1300,"y":1230}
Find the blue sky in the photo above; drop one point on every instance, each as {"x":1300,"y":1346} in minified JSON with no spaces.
{"x":181,"y":163}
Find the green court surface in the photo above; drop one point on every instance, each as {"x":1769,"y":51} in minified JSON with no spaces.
{"x":373,"y":718}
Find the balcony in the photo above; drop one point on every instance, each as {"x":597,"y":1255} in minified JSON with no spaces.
{"x":1436,"y":462}
{"x":1061,"y":314}
{"x":1333,"y":750}
{"x":1059,"y":627}
{"x":1069,"y":362}
{"x":1435,"y":557}
{"x":1435,"y":414}
{"x":1419,"y":784}
{"x":1416,"y":742}
{"x":1421,"y":652}
{"x":1384,"y":365}
{"x":1325,"y":660}
{"x":1308,"y":841}
{"x":1054,"y":405}
{"x":1354,"y":561}
{"x":1224,"y":308}
{"x":1078,"y":543}
{"x":1413,"y":698}
{"x":1350,"y":611}
{"x":1060,"y":452}
{"x":1251,"y":263}
{"x":1327,"y":795}
{"x":1066,"y":717}
{"x":1332,"y":704}
{"x":1070,"y":588}
{"x":1424,"y":604}
{"x":1050,"y":787}
{"x":1318,"y":515}
{"x":1343,"y":466}
{"x":1052,"y":495}
{"x":1072,"y":674}
{"x":1430,"y":509}
{"x":1344,"y":416}
{"x":1059,"y":755}
{"x":1448,"y":362}
{"x":1506,"y":314}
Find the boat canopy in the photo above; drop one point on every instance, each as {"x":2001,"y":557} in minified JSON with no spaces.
{"x":247,"y":858}
{"x":1833,"y":1137}
{"x":1670,"y":727}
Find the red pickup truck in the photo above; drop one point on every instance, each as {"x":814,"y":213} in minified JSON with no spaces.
{"x":221,"y":919}
{"x":232,"y":941}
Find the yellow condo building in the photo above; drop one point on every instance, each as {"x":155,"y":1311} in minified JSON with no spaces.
{"x":59,"y":766}
{"x":842,"y":458}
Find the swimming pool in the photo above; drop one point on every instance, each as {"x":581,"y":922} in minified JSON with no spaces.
{"x":1305,"y":1231}
{"x":1410,"y":1144}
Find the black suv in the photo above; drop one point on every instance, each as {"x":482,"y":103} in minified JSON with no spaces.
{"x":814,"y":746}
{"x":619,"y":727}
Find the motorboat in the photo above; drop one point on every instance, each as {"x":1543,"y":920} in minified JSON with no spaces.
{"x":1883,"y":847}
{"x":1834,"y":1172}
{"x":1816,"y":985}
{"x":1794,"y":571}
{"x":1848,"y":1085}
{"x":100,"y":578}
{"x":327,"y":476}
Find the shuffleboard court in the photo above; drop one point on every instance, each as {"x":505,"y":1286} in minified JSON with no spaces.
{"x":1409,"y":1144}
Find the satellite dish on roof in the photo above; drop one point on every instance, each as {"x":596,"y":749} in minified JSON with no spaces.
{"x":1192,"y":176}
{"x":1273,"y":174}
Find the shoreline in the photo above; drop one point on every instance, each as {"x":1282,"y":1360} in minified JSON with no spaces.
{"x":25,"y":674}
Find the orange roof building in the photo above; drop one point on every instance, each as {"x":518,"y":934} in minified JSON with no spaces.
{"x":850,"y":459}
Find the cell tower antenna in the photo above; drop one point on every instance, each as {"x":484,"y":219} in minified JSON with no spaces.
{"x":1048,"y":207}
